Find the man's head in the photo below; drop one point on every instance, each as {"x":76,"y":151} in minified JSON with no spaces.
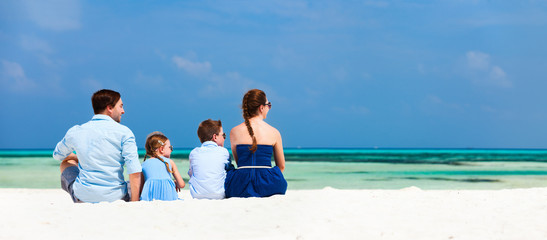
{"x":109,"y":103}
{"x":210,"y":130}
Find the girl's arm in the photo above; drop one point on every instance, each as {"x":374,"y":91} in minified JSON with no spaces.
{"x":179,"y":182}
{"x":279,"y":156}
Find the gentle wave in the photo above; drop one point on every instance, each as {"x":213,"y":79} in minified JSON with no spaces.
{"x":413,"y":156}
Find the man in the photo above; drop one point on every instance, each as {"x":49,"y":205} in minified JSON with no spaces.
{"x":102,"y":146}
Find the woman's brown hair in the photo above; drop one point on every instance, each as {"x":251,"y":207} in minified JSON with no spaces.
{"x":252,"y":100}
{"x":153,"y":142}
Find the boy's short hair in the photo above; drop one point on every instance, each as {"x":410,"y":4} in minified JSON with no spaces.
{"x":207,"y":129}
{"x":103,"y":98}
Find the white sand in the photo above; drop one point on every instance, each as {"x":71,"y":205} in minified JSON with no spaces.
{"x":301,"y":214}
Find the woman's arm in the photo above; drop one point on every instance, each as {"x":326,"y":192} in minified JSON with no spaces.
{"x":179,"y":182}
{"x":233,"y":143}
{"x":279,"y":156}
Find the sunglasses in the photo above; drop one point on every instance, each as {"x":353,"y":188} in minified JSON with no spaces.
{"x":269,"y":104}
{"x":171,"y":147}
{"x":223,"y":135}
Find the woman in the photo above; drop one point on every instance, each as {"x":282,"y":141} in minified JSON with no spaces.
{"x":253,"y":143}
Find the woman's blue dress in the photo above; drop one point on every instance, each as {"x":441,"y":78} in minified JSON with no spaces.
{"x":158,"y":184}
{"x":254,"y":182}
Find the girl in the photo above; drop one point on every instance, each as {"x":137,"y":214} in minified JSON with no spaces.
{"x":157,"y":184}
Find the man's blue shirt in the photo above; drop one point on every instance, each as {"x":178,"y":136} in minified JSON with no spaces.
{"x":207,"y":171}
{"x":103,"y":147}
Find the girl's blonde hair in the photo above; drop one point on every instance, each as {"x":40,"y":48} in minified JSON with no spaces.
{"x":153,"y":142}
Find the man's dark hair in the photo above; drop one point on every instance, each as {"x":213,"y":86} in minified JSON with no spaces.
{"x":103,"y":98}
{"x":207,"y":129}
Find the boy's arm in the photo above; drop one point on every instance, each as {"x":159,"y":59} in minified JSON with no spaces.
{"x":228,"y":166}
{"x":190,"y":170}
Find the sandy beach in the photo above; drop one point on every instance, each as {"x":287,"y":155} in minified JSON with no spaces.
{"x":329,"y":213}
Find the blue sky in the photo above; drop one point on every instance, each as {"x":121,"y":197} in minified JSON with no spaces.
{"x":400,"y":74}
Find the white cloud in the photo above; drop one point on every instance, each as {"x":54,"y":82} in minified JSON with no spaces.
{"x":340,"y":74}
{"x":285,"y":58}
{"x":478,"y":60}
{"x":217,"y":84}
{"x":57,"y":15}
{"x":227,"y":83}
{"x":149,"y":82}
{"x":91,"y":85}
{"x":41,"y":49}
{"x":487,"y":108}
{"x":434,"y":104}
{"x":483,"y":72}
{"x":433,"y":100}
{"x":13,"y":76}
{"x":194,"y":68}
{"x":34,"y":44}
{"x":497,"y":73}
{"x":511,"y":18}
{"x":360,"y":110}
{"x":498,"y":76}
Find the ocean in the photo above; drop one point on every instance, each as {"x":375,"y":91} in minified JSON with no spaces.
{"x":318,"y":168}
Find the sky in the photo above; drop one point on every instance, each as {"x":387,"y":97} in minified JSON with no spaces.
{"x":340,"y":74}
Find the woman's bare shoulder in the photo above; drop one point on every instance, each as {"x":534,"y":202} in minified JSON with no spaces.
{"x":238,"y":127}
{"x":271,"y":128}
{"x":238,"y":130}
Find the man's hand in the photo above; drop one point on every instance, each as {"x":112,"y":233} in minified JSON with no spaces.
{"x":69,"y":161}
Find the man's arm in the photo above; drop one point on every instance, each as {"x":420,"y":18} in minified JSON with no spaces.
{"x":135,"y":183}
{"x":64,"y":148}
{"x":71,"y":160}
{"x":132,"y":164}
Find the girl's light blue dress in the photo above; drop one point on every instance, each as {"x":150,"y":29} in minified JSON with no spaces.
{"x":158,"y":183}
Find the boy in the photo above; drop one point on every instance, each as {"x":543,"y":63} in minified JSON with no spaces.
{"x":208,"y":163}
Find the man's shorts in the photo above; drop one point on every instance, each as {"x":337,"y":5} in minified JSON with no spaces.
{"x":67,"y":181}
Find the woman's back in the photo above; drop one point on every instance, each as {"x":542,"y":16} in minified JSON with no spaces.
{"x":255,"y":177}
{"x":261,"y":157}
{"x":264,"y":135}
{"x":263,"y":132}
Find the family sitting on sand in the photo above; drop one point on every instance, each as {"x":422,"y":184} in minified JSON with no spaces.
{"x":94,"y":154}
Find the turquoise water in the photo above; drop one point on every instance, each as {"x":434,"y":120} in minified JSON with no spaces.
{"x":343,"y":168}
